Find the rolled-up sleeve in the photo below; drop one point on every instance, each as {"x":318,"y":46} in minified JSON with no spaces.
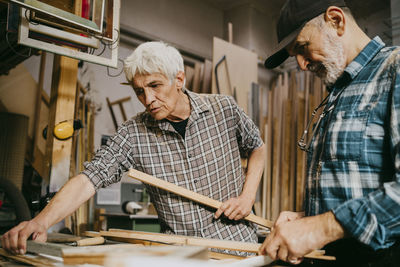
{"x":247,"y":133}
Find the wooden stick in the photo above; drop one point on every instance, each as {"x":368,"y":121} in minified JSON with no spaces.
{"x":151,"y":180}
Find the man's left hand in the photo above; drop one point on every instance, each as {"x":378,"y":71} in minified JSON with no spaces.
{"x":235,"y":208}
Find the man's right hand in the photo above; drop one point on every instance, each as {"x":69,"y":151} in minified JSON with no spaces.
{"x":14,"y":241}
{"x":286,"y":216}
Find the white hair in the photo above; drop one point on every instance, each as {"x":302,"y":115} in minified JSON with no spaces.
{"x":154,"y":57}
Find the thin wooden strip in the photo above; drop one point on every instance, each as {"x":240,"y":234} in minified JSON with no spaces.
{"x":169,"y":239}
{"x":223,"y":256}
{"x":148,"y":179}
{"x":185,"y":240}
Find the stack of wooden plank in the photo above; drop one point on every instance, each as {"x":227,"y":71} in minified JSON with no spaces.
{"x":291,"y":99}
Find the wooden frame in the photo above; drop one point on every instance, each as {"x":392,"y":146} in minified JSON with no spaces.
{"x":25,"y":39}
{"x":94,"y":26}
{"x":64,"y":35}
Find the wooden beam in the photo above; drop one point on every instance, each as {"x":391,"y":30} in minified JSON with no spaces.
{"x":170,"y":187}
{"x":62,"y":104}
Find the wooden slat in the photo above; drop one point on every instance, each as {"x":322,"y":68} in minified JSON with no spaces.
{"x":207,"y":75}
{"x":293,"y":142}
{"x":285,"y":133}
{"x":36,"y":132}
{"x":277,"y":150}
{"x":198,"y":69}
{"x":184,"y":240}
{"x":151,"y":180}
{"x":223,"y":256}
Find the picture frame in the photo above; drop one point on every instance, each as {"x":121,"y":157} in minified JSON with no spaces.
{"x":26,"y":31}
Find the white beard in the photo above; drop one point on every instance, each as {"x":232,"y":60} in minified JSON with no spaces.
{"x":334,"y":64}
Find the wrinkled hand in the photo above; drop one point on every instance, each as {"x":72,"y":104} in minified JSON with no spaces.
{"x":235,"y":208}
{"x":286,"y":216}
{"x":14,"y":240}
{"x":291,"y":240}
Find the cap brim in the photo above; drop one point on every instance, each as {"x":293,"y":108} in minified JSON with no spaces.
{"x":281,"y":54}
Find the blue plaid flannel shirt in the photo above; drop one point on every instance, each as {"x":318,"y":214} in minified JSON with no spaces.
{"x":354,"y":159}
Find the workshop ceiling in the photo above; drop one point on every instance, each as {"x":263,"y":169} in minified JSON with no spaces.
{"x":360,"y":8}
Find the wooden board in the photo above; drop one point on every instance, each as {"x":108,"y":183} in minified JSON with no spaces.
{"x":62,"y":105}
{"x":241,"y":66}
{"x":151,"y":180}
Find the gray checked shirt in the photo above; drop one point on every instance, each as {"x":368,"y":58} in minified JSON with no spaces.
{"x":206,"y":161}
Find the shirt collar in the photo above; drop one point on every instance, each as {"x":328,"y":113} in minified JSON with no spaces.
{"x":361,"y":60}
{"x":197,"y":104}
{"x":364,"y":57}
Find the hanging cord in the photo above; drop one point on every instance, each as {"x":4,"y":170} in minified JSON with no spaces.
{"x":115,"y":75}
{"x":28,"y":19}
{"x":102,"y":51}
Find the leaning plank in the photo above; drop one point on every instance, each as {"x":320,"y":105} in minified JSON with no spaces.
{"x":151,"y":180}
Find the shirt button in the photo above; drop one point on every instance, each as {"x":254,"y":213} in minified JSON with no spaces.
{"x":190,"y":155}
{"x":195,"y":181}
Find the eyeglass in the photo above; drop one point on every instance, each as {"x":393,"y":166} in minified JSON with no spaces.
{"x":305,"y":146}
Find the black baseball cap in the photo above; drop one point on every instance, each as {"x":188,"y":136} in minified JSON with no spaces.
{"x":294,"y":15}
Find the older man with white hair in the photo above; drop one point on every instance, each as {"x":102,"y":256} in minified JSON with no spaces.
{"x":192,"y":140}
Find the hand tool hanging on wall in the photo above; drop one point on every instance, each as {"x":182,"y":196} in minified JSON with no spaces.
{"x":65,"y":129}
{"x":233,"y":91}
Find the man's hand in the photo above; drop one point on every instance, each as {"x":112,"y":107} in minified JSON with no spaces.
{"x":292,"y":239}
{"x":287,"y":216}
{"x":235,"y":208}
{"x":14,"y":240}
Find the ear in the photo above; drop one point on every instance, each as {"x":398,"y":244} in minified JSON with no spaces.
{"x":180,"y":79}
{"x":335,"y":17}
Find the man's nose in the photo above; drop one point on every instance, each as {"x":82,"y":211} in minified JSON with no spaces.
{"x":149,"y":97}
{"x":302,"y":62}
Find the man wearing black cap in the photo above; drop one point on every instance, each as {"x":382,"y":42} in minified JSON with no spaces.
{"x":352,"y":201}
